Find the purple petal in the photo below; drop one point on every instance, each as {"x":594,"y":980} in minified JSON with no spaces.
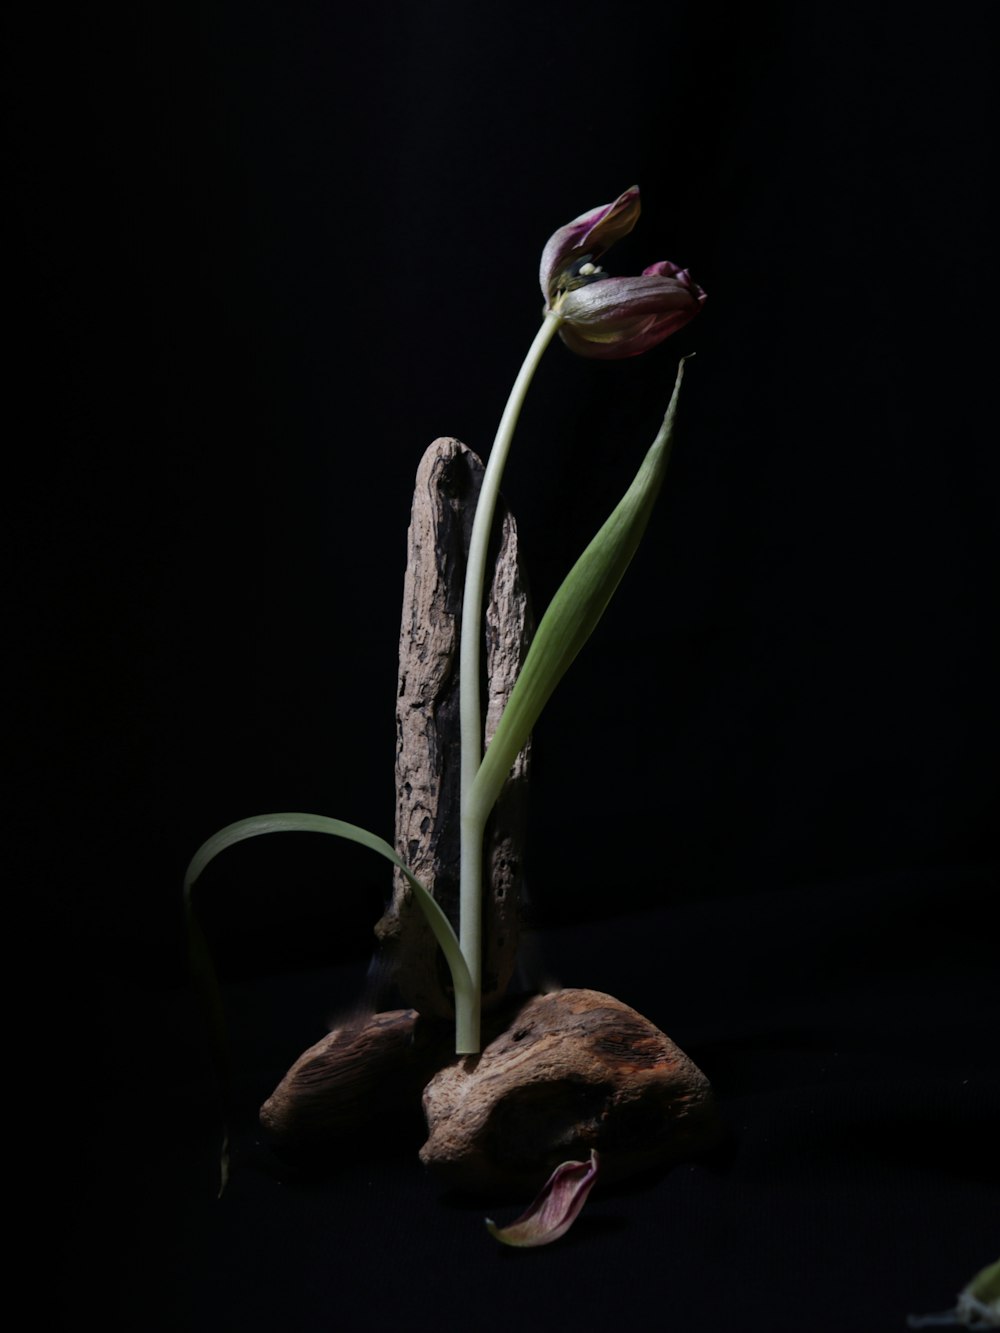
{"x":619,"y":317}
{"x":555,"y":1210}
{"x":664,"y":269}
{"x":590,"y":234}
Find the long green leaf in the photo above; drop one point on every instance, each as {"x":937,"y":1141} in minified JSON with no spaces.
{"x":203,"y":970}
{"x":574,"y":612}
{"x":300,"y":823}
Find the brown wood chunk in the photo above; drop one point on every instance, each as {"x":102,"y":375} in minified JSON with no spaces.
{"x":359,"y":1072}
{"x":574,"y":1070}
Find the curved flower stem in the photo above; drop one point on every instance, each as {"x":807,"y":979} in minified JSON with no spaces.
{"x":473,"y":820}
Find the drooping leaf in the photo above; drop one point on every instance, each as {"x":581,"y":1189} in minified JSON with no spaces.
{"x":574,"y":612}
{"x":556,"y":1208}
{"x":302,"y":823}
{"x":202,"y":968}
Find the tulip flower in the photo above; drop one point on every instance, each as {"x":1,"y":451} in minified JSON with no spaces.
{"x":604,"y":317}
{"x":596,"y":316}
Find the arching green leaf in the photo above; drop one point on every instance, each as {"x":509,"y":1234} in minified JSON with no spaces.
{"x":202,"y":968}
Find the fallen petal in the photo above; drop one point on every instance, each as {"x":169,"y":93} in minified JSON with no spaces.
{"x":554,"y":1210}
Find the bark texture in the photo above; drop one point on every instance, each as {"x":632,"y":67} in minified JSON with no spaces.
{"x":359,"y":1072}
{"x":574,"y":1070}
{"x":560,"y":1073}
{"x":427,"y":728}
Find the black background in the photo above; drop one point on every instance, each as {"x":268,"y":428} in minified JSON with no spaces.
{"x":267,"y":254}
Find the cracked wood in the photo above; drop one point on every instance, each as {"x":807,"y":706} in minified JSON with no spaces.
{"x":427,"y":731}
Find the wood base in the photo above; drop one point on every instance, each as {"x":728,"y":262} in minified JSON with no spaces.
{"x":560,"y":1074}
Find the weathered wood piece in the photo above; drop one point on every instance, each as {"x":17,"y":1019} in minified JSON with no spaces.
{"x":574,"y":1070}
{"x":560,"y":1073}
{"x":370,"y":1067}
{"x":357,"y":1073}
{"x":427,"y":725}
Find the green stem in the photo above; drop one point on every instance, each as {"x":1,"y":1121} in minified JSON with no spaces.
{"x":473,"y":821}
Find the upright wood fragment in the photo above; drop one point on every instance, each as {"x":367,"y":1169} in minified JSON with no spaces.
{"x":427,"y":730}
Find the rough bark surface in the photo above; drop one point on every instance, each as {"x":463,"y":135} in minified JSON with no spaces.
{"x":427,"y":723}
{"x":371,"y":1067}
{"x":357,"y":1073}
{"x":574,"y":1070}
{"x":560,"y":1073}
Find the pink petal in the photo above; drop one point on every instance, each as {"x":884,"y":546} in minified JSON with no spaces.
{"x":619,"y":317}
{"x":591,"y":233}
{"x":556,"y":1208}
{"x":665,"y":269}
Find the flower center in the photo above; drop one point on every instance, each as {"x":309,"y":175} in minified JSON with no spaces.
{"x":581,"y":273}
{"x":578,"y":274}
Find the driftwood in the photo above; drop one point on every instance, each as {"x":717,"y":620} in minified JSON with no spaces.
{"x":427,"y":729}
{"x":561,"y":1073}
{"x":355,"y":1075}
{"x":368,"y":1068}
{"x":575,"y":1070}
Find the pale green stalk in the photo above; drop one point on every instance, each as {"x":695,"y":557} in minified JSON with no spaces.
{"x":473,"y":822}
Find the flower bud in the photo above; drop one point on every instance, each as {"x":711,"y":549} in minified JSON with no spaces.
{"x":605,"y":317}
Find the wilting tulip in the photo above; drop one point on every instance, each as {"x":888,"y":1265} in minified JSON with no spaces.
{"x":607,"y":317}
{"x":596,"y":316}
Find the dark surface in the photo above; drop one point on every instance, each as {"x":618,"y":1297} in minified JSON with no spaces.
{"x":849,"y":1032}
{"x":266,"y":254}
